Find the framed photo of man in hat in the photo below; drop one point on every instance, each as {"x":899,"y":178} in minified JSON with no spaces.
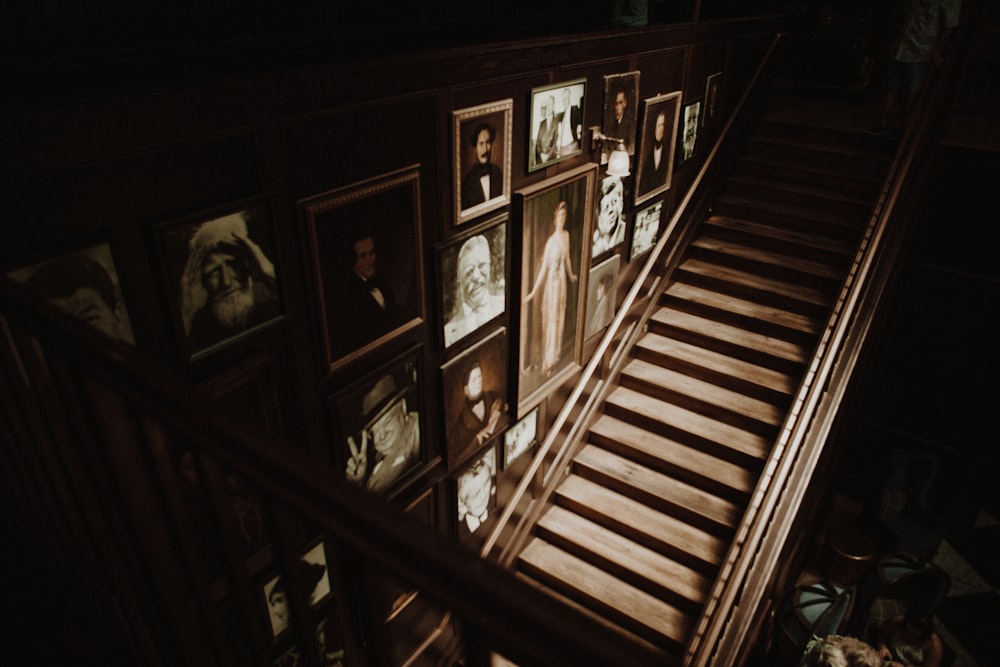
{"x":379,"y":425}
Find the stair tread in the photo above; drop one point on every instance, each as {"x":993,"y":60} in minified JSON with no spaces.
{"x":645,"y":613}
{"x":712,"y":394}
{"x":803,"y":213}
{"x":873,"y":177}
{"x":831,"y":192}
{"x":782,"y":288}
{"x":626,"y":554}
{"x":746,"y":308}
{"x":662,"y":532}
{"x":661,"y":489}
{"x":874,"y":156}
{"x":705,"y":327}
{"x":648,"y":446}
{"x":731,"y":437}
{"x":779,"y":233}
{"x":818,"y":269}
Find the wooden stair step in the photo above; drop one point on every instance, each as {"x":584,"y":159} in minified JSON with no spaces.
{"x":829,"y":250}
{"x":744,"y":284}
{"x":835,"y":157}
{"x":810,"y":173}
{"x":754,"y":347}
{"x":634,"y":609}
{"x":694,"y":466}
{"x":747,"y":314}
{"x":638,"y":565}
{"x":751,"y":379}
{"x":774,"y":209}
{"x":831,"y":194}
{"x":765,"y":263}
{"x":660,"y":492}
{"x":810,"y":133}
{"x":695,"y":430}
{"x":732,"y":407}
{"x":660,"y":532}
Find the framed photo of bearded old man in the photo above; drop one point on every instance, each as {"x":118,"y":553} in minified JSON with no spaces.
{"x":473,"y":279}
{"x":366,"y":256}
{"x":482,"y":141}
{"x":221,"y":278}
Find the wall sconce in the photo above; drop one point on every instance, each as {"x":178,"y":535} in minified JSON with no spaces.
{"x":618,"y":161}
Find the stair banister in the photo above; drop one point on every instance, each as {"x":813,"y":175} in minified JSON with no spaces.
{"x":733,"y":607}
{"x":573,"y":439}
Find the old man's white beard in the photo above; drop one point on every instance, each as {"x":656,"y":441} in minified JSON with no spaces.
{"x":232,"y":309}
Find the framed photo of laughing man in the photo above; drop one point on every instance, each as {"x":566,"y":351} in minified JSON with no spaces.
{"x":482,"y":139}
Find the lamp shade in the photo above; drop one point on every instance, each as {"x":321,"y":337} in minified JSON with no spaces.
{"x":618,"y":162}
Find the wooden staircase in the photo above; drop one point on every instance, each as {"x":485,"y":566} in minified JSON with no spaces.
{"x":640,"y":527}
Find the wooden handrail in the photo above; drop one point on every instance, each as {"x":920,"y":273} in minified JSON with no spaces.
{"x":657,"y":266}
{"x":747,"y":571}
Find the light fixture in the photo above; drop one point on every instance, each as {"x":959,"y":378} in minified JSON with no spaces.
{"x":618,"y":161}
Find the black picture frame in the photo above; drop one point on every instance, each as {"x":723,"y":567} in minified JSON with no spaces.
{"x":602,"y":293}
{"x":83,"y":282}
{"x":465,"y":431}
{"x":521,"y":437}
{"x":713,"y":99}
{"x":619,"y":129}
{"x":660,"y":117}
{"x":388,"y":300}
{"x":495,"y":119}
{"x":689,"y":131}
{"x":209,"y":251}
{"x":473,"y":271}
{"x":549,"y":140}
{"x":369,"y":407}
{"x":475,"y":487}
{"x":645,"y":230}
{"x":550,"y":331}
{"x":610,"y":222}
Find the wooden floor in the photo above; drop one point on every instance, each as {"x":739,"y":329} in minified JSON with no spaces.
{"x":640,"y":527}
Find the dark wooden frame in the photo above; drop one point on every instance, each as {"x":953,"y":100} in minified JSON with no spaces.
{"x":611,"y":265}
{"x":512,"y":453}
{"x":630,"y":81}
{"x":669,"y":103}
{"x":696,"y":107}
{"x":535,"y":104}
{"x":634,"y":252}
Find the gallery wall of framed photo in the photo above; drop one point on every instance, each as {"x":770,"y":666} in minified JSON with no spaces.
{"x":395,"y":270}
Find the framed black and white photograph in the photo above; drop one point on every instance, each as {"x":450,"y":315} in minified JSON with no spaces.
{"x":476,"y":495}
{"x":476,"y":404}
{"x":556,"y":129}
{"x":378,"y":425}
{"x":220,"y":274}
{"x":473,"y":279}
{"x":713,"y":99}
{"x":557,"y":217}
{"x":621,"y":107}
{"x":609,"y":228}
{"x":602,"y":291}
{"x":520,"y":437}
{"x":659,"y":137}
{"x":277,"y":604}
{"x":366,"y":257}
{"x":689,"y":138}
{"x":315,"y":574}
{"x":482,"y":140}
{"x":646,"y":230}
{"x":84,"y":284}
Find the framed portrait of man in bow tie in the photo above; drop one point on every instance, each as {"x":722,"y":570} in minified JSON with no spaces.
{"x":476,"y":496}
{"x":481,"y":138}
{"x":473,"y":279}
{"x":656,"y":153}
{"x":366,"y":253}
{"x":476,"y":403}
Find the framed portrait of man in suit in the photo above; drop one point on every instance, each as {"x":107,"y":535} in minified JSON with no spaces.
{"x":473,"y":279}
{"x":366,"y":257}
{"x":482,"y":144}
{"x":476,"y":402}
{"x":556,"y":128}
{"x":655,"y":164}
{"x":621,"y":110}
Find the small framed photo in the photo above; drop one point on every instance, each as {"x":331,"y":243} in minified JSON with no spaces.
{"x":83,"y":284}
{"x":473,"y":279}
{"x":220,"y":275}
{"x":609,"y":229}
{"x":556,"y":219}
{"x":476,"y":495}
{"x":621,"y":107}
{"x":659,"y":138}
{"x":713,"y":99}
{"x":367,"y":263}
{"x":520,"y":437}
{"x":602,"y":291}
{"x":482,"y":139}
{"x":316,"y":575}
{"x":378,"y":441}
{"x":277,"y":604}
{"x":689,"y":140}
{"x":646,"y":230}
{"x":557,"y":130}
{"x":476,"y":406}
